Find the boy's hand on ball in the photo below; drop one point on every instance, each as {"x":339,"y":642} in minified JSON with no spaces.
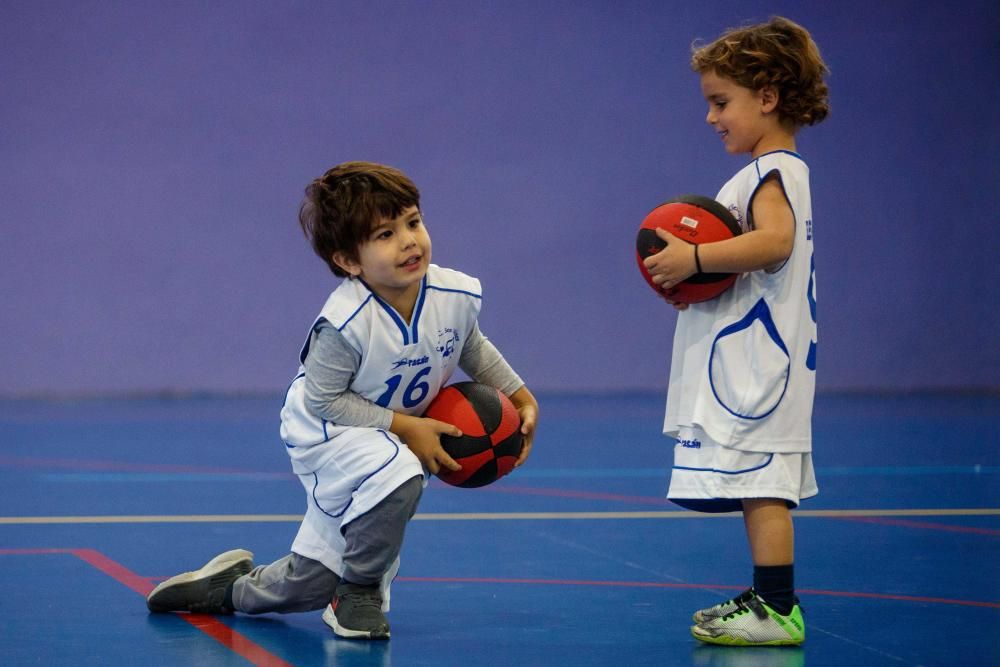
{"x":423,"y":436}
{"x":674,"y":264}
{"x":527,"y":410}
{"x":434,"y":456}
{"x":529,"y":417}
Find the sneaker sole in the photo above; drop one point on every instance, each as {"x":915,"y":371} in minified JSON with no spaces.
{"x":726,"y":640}
{"x":330,"y":618}
{"x":174,"y":593}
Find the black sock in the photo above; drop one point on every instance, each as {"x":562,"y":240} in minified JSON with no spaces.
{"x":776,"y":584}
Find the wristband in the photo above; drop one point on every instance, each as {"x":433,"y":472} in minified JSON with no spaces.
{"x":697,"y":262}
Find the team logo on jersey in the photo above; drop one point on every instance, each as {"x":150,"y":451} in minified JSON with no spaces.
{"x":446,"y":342}
{"x":735,"y":210}
{"x":693,"y":443}
{"x":419,"y":361}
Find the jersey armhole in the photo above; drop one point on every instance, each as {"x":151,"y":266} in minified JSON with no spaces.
{"x":313,"y":330}
{"x":775,"y":174}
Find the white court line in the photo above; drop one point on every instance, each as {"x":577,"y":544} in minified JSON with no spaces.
{"x":485,"y":516}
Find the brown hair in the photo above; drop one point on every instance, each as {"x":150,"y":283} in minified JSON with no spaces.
{"x":778,"y":53}
{"x":343,"y":205}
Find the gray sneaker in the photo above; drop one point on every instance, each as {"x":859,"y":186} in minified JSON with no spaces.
{"x":202,"y":591}
{"x":356,"y":612}
{"x":723,"y":608}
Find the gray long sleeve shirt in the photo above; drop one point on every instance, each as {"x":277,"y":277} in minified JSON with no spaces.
{"x":332,"y":363}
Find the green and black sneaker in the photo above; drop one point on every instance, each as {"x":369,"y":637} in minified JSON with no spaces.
{"x":753,"y":623}
{"x":723,"y":608}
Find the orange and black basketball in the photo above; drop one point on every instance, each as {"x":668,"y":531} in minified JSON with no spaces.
{"x":694,"y":219}
{"x":491,"y":433}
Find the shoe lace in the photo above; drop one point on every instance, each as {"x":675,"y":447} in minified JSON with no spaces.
{"x":363,"y":599}
{"x":740,"y":601}
{"x":741,"y":608}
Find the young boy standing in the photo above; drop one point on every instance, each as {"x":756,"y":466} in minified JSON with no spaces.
{"x":384,"y":344}
{"x":742,"y":376}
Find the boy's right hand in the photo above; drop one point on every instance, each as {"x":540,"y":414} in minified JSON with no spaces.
{"x":423,"y":436}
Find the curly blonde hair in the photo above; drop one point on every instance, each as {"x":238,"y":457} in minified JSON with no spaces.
{"x":778,"y":53}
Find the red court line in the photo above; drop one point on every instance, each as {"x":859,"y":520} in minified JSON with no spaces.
{"x":920,"y":524}
{"x":142,"y":585}
{"x":240,"y":644}
{"x":115,"y":570}
{"x":657,"y":584}
{"x":210,"y":625}
{"x":234,"y":641}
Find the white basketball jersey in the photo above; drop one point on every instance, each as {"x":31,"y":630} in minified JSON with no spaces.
{"x":403,"y":365}
{"x":743,"y":365}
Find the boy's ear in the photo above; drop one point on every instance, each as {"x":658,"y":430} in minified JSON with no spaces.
{"x":348,"y":265}
{"x":768,"y":99}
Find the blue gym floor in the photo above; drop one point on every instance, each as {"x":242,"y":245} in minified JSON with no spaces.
{"x":575,"y":559}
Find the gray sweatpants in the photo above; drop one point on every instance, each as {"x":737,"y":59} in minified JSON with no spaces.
{"x":296,"y":583}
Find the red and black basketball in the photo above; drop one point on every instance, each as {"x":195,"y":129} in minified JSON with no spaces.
{"x":695,"y":219}
{"x":491,"y":433}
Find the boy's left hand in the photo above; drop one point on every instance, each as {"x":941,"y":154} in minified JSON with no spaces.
{"x":527,"y":410}
{"x":673,"y":264}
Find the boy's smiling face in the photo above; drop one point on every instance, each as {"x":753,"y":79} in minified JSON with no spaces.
{"x":394,"y":258}
{"x":744,"y":118}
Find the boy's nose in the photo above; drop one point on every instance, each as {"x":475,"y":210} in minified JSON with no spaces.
{"x":407,"y":239}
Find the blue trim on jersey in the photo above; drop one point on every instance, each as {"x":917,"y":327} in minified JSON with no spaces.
{"x":784,"y":192}
{"x":718,"y":505}
{"x":456,"y":291}
{"x":315,"y":328}
{"x":365,"y":479}
{"x":811,"y":297}
{"x":770,"y":457}
{"x":761,"y":312}
{"x":395,"y":318}
{"x":289,"y":388}
{"x":363,"y":304}
{"x":315,"y":499}
{"x":780,"y":150}
{"x":326,"y":435}
{"x":420,"y":303}
{"x":411,"y":333}
{"x":414,"y":328}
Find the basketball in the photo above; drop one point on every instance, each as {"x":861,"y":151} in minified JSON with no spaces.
{"x":694,"y":219}
{"x":491,"y":429}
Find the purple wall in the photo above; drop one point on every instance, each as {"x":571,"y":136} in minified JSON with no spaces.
{"x":153,"y":155}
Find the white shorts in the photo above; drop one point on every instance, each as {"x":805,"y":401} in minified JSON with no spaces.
{"x":347,"y":477}
{"x":708,"y":477}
